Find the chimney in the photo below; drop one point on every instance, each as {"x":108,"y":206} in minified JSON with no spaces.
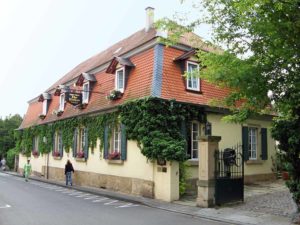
{"x":149,"y":18}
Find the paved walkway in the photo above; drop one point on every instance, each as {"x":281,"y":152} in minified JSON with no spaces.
{"x":265,"y":203}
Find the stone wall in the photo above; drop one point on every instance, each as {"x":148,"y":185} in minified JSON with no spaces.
{"x":126,"y":185}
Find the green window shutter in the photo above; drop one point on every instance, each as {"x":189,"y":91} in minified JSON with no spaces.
{"x":86,"y":144}
{"x":183,"y":132}
{"x":75,"y":142}
{"x":53,"y":144}
{"x":264,"y":144}
{"x":245,"y":143}
{"x":123,"y":142}
{"x":33,"y":144}
{"x":61,"y":149}
{"x":105,"y":145}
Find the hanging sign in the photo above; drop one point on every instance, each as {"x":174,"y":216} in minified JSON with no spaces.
{"x":74,"y":98}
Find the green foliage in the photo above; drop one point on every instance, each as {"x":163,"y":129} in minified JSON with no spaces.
{"x":94,"y":124}
{"x":7,"y":127}
{"x":156,"y":125}
{"x":183,"y":177}
{"x":10,"y":157}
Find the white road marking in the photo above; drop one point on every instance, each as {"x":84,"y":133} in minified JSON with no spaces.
{"x":127,"y":206}
{"x":80,"y":196}
{"x":100,"y":200}
{"x":6,"y":206}
{"x":76,"y":193}
{"x":61,"y":189}
{"x":93,"y":197}
{"x":109,"y":203}
{"x":4,"y":175}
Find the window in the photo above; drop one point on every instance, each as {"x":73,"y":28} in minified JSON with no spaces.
{"x":85,"y":92}
{"x":116,"y":140}
{"x":80,"y":142}
{"x":62,"y":102}
{"x":195,"y":132}
{"x":35,"y":144}
{"x":58,"y":145}
{"x":253,"y":142}
{"x":193,"y":80}
{"x":120,"y":80}
{"x":45,"y":103}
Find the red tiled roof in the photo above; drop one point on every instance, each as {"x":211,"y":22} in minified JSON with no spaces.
{"x":126,"y":45}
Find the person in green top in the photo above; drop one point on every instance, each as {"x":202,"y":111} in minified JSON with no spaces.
{"x":27,"y":170}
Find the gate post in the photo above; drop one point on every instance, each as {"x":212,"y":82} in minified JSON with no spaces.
{"x":206,"y":182}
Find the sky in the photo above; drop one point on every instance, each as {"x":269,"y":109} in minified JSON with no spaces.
{"x":42,"y":40}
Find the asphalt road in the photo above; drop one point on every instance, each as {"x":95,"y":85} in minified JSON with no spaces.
{"x":38,"y":203}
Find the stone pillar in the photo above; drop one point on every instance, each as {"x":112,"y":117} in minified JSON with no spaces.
{"x":206,"y":182}
{"x":166,"y":181}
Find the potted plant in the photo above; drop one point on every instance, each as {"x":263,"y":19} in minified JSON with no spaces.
{"x":114,"y":155}
{"x":114,"y":95}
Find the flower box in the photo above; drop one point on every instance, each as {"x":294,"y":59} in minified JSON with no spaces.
{"x":80,"y":155}
{"x":114,"y":95}
{"x":35,"y":153}
{"x":56,"y":154}
{"x":114,"y":155}
{"x":42,"y":116}
{"x":58,"y":112}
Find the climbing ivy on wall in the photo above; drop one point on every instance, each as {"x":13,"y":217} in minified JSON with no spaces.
{"x":157,"y":125}
{"x":94,"y":124}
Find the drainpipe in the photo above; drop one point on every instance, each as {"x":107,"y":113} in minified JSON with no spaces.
{"x":47,"y":166}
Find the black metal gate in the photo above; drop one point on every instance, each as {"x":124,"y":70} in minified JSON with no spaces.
{"x":229,"y":175}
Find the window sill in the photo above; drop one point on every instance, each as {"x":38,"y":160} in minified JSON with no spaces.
{"x":194,"y":91}
{"x":57,"y":157}
{"x":115,"y":161}
{"x":193,"y":162}
{"x":254,"y":162}
{"x":80,"y":160}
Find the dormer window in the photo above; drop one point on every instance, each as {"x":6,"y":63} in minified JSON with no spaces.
{"x":120,"y":80}
{"x":192,"y":80}
{"x":62,"y":102}
{"x":85,"y":92}
{"x":45,"y":104}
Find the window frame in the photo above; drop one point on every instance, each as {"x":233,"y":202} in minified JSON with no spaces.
{"x":116,"y":130}
{"x":117,"y":79}
{"x":57,"y":140}
{"x":190,"y":78}
{"x":195,"y":140}
{"x":85,"y":94}
{"x":81,"y":139}
{"x":251,"y":150}
{"x":62,"y":102}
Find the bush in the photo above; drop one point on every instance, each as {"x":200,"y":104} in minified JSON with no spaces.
{"x":10,"y":157}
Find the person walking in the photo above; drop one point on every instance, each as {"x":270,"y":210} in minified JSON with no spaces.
{"x":68,"y":172}
{"x":27,"y":170}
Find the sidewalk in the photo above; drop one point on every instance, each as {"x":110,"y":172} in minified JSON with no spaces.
{"x":237,"y":214}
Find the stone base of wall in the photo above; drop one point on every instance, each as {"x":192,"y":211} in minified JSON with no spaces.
{"x":249,"y":179}
{"x":126,"y":185}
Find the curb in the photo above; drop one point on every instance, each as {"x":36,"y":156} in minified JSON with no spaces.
{"x":132,"y":199}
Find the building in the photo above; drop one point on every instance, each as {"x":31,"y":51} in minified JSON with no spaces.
{"x":76,"y":119}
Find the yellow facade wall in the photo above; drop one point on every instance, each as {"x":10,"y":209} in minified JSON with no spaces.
{"x":136,"y":165}
{"x":231,"y":134}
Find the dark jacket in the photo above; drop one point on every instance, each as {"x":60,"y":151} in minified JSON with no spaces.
{"x":69,"y":168}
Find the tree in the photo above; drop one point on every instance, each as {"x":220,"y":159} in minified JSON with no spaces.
{"x":261,"y":65}
{"x":7,"y":128}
